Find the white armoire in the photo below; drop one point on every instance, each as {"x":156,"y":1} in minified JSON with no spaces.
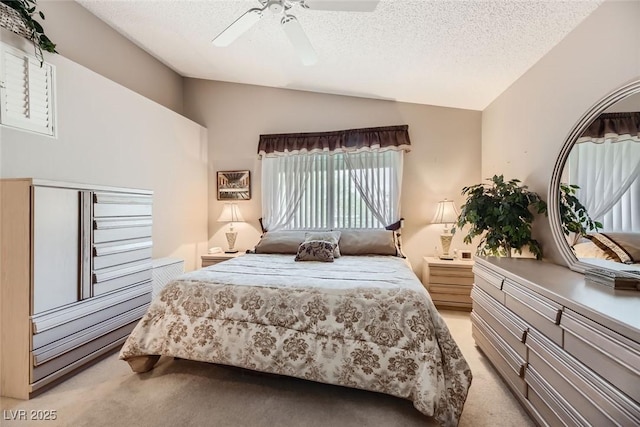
{"x":75,"y":276}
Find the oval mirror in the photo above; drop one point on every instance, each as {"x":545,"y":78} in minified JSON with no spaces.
{"x":601,"y":156}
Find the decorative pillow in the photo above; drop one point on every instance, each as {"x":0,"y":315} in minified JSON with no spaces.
{"x":280,"y":242}
{"x":368,"y":242}
{"x":316,"y":250}
{"x":589,"y":250}
{"x":616,"y":252}
{"x":328,"y":236}
{"x":628,"y":241}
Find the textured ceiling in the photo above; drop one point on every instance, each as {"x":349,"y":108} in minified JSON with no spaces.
{"x":450,"y":53}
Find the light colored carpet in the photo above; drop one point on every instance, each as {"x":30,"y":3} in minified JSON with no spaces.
{"x":185,"y":393}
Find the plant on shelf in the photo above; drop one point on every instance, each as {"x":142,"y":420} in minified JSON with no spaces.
{"x":501,"y":212}
{"x":573,"y":215}
{"x":27,"y":10}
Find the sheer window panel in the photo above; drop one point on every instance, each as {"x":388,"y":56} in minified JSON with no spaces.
{"x":608,"y":176}
{"x":322,"y":190}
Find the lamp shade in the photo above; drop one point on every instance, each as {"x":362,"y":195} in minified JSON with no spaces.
{"x":446,"y":213}
{"x":230,"y":213}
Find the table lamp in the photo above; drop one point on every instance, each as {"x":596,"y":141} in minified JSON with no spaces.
{"x":446,"y":214}
{"x":231,"y":214}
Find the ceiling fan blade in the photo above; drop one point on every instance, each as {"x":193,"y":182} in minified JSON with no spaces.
{"x":239,"y":27}
{"x":299,"y":40}
{"x":342,"y":5}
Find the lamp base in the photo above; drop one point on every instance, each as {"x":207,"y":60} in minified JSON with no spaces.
{"x":445,"y":241}
{"x":231,"y":241}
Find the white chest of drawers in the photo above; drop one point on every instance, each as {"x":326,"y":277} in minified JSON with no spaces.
{"x":76,"y":276}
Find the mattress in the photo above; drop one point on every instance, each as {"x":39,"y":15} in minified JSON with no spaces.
{"x":362,"y":321}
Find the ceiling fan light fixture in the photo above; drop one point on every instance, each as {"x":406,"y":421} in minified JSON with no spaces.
{"x":238,"y":27}
{"x":275,"y":6}
{"x":299,"y":40}
{"x":290,"y":24}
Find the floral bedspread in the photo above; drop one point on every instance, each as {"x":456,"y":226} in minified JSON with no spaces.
{"x":363,"y":322}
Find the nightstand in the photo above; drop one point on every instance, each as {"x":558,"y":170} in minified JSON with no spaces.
{"x":213,"y":259}
{"x":449,"y":282}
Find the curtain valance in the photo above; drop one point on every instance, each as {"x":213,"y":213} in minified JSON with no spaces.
{"x":613,"y":127}
{"x":350,"y":140}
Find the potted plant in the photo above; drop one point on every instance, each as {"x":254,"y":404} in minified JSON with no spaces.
{"x":573,"y":215}
{"x":24,"y":11}
{"x":501,"y":212}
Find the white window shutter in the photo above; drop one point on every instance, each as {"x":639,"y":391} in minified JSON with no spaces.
{"x":26,"y":92}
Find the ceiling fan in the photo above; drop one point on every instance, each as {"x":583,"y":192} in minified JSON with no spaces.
{"x":290,"y":24}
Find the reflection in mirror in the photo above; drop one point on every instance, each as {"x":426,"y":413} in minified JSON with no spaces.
{"x":602,"y":158}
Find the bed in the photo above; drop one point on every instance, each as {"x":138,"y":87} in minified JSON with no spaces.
{"x":360,"y":321}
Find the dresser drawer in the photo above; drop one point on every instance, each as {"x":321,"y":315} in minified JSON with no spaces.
{"x":120,"y":276}
{"x":113,"y":210}
{"x":507,"y":325}
{"x":505,"y":368}
{"x":57,"y":325}
{"x":614,"y":357}
{"x":106,"y":261}
{"x":513,"y":359}
{"x":115,"y":234}
{"x":599,"y":402}
{"x":489,"y":282}
{"x":540,"y":312}
{"x":86,"y":350}
{"x":55,"y":349}
{"x":108,"y":204}
{"x":554,"y":408}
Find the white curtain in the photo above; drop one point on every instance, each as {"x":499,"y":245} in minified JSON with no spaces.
{"x":378,"y":179}
{"x":284,"y":179}
{"x":332,"y":190}
{"x":607,"y":174}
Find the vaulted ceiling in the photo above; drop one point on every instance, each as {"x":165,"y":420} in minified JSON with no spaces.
{"x":450,"y":53}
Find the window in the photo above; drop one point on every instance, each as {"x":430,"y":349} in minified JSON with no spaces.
{"x":340,"y":190}
{"x":608,"y":176}
{"x":26,"y":92}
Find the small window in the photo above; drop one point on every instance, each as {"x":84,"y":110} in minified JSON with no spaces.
{"x":26,"y":92}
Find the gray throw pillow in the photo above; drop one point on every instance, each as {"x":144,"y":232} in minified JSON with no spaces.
{"x":368,"y":242}
{"x":280,"y":242}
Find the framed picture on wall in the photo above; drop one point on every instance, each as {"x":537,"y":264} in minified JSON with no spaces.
{"x":234,"y":185}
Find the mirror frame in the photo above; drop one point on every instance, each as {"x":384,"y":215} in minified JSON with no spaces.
{"x":553,"y":196}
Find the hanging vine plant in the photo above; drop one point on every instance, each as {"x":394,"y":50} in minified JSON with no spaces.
{"x":26,"y":10}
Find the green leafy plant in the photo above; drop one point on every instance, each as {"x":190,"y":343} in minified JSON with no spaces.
{"x":573,"y":215}
{"x":501,"y":212}
{"x":27,"y":10}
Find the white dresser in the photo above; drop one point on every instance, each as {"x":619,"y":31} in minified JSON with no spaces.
{"x":76,"y":276}
{"x":569,"y":350}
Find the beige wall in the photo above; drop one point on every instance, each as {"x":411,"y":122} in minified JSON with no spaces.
{"x":525,"y":127}
{"x":85,"y":39}
{"x":445,"y":155}
{"x":109,"y":135}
